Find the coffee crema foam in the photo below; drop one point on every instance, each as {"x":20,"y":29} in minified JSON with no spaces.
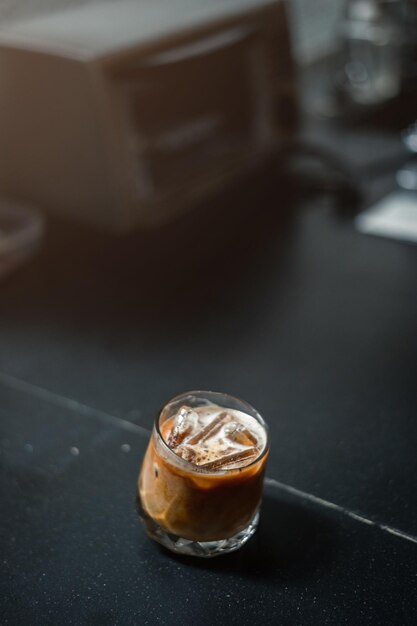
{"x":214,"y":438}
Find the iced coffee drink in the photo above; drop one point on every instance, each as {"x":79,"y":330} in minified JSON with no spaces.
{"x":200,"y":486}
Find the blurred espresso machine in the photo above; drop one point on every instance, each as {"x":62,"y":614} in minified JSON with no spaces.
{"x":125,"y":114}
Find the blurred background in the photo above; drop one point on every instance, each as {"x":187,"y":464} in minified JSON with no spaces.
{"x":87,"y":134}
{"x":313,"y":24}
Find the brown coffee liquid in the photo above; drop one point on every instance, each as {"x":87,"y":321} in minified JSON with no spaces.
{"x":204,"y":481}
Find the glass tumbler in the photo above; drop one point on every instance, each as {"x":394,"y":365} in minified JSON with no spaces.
{"x":197,"y":510}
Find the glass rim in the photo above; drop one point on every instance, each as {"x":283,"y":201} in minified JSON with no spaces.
{"x":192,"y":467}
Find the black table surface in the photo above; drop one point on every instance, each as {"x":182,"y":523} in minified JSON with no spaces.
{"x":275,"y":300}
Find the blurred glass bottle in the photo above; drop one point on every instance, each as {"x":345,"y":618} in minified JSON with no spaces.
{"x":370,"y":70}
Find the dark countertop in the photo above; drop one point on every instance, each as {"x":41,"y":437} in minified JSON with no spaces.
{"x":268,"y":297}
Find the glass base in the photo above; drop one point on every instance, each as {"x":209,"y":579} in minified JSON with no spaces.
{"x":205,"y":549}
